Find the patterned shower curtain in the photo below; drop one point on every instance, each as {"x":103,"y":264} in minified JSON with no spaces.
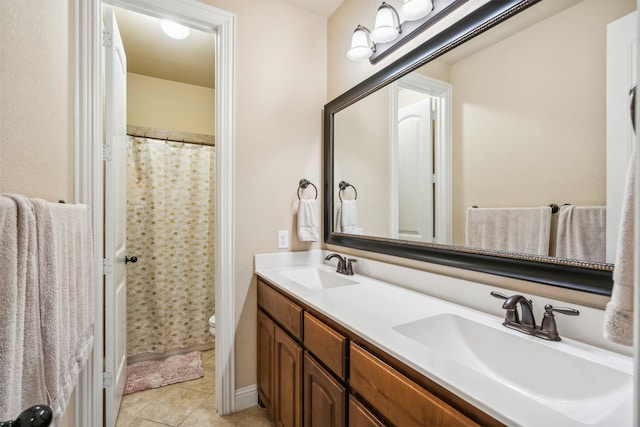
{"x":170,"y":228}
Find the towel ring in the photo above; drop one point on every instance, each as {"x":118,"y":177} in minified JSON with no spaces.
{"x":342,"y":185}
{"x":304,"y":183}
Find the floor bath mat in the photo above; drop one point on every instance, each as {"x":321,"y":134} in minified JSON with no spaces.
{"x":157,"y":373}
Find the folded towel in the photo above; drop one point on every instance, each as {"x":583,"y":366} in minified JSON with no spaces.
{"x":21,"y":360}
{"x":582,"y":233}
{"x":308,"y":220}
{"x":522,"y":230}
{"x":347,"y":218}
{"x":618,"y":315}
{"x":65,"y":264}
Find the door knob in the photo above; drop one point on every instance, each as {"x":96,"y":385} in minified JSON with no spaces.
{"x":132,"y":259}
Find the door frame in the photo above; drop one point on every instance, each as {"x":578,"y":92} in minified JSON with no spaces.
{"x":89,"y":177}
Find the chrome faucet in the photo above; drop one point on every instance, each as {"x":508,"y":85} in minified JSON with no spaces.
{"x":344,"y":265}
{"x":547,"y":330}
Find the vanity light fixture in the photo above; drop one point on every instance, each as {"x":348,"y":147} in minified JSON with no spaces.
{"x":387,"y":26}
{"x":412,"y":10}
{"x":361,"y":45}
{"x":390,"y":32}
{"x":174,"y":30}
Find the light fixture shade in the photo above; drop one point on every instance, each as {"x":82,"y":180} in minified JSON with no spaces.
{"x":386,"y":29}
{"x":412,"y":10}
{"x":174,"y":30}
{"x":360,"y":45}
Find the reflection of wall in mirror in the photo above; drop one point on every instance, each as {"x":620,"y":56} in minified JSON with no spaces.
{"x":543,"y":90}
{"x":363,"y":132}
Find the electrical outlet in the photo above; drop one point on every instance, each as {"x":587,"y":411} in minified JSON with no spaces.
{"x":283,"y":239}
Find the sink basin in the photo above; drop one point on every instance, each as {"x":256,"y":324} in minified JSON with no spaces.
{"x":565,"y":377}
{"x":315,"y":278}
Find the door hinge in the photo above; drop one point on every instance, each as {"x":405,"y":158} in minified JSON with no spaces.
{"x":107,"y":39}
{"x":107,"y":152}
{"x":434,"y":178}
{"x":107,"y":381}
{"x":434,"y":114}
{"x":107,"y":266}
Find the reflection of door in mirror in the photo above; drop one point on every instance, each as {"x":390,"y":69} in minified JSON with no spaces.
{"x":421,"y":161}
{"x":622,"y":39}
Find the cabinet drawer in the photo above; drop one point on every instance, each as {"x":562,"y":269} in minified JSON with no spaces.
{"x":325,"y":344}
{"x":397,"y":398}
{"x":281,"y":309}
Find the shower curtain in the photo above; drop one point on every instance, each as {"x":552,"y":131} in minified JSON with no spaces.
{"x":170,"y":228}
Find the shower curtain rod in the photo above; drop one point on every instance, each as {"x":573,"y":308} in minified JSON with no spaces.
{"x":167,"y":135}
{"x":182,"y":141}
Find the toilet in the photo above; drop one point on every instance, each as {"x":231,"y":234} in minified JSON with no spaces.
{"x":212,"y":325}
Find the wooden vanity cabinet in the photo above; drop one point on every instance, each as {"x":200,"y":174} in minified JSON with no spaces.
{"x":311,"y":372}
{"x":279,"y":357}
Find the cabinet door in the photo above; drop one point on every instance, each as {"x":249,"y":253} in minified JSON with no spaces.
{"x":324,"y":397}
{"x":288,"y":381}
{"x":266,"y":351}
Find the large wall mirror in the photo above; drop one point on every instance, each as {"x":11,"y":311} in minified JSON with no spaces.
{"x":518,"y":105}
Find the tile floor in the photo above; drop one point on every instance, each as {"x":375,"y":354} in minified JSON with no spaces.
{"x":187,"y":404}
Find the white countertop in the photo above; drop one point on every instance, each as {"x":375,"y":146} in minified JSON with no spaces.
{"x":371,"y":309}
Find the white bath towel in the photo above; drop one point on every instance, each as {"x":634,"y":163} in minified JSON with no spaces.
{"x":308,"y":220}
{"x":522,"y":230}
{"x":618,"y":316}
{"x":582,"y":233}
{"x":21,"y":359}
{"x":347,"y":218}
{"x":65,"y":264}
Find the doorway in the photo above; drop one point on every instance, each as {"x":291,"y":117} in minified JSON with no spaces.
{"x":89,"y":166}
{"x":420,"y":159}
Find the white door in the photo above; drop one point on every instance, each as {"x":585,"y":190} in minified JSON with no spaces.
{"x":115,"y":218}
{"x":415,"y":170}
{"x":622,"y":46}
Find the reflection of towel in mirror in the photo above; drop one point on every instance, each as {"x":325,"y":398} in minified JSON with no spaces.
{"x":581,"y":233}
{"x":347,"y":218}
{"x":308,"y":220}
{"x":618,"y":315}
{"x":522,"y":230}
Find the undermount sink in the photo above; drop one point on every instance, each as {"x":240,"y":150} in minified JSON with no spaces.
{"x":315,"y":278}
{"x":559,"y":375}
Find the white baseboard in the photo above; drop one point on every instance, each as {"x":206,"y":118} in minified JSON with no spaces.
{"x":246,"y":397}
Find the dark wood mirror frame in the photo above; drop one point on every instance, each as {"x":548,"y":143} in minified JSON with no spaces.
{"x":588,"y":277}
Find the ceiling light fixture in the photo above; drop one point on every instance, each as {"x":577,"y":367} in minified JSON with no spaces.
{"x":389,"y":32}
{"x":175,"y":30}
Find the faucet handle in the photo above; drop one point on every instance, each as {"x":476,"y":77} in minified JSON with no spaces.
{"x":349,"y":269}
{"x":548,"y":326}
{"x":498,"y":295}
{"x":563,"y":310}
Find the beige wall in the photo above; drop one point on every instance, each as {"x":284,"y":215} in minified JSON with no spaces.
{"x":280,"y":91}
{"x":36,"y":98}
{"x":164,"y":104}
